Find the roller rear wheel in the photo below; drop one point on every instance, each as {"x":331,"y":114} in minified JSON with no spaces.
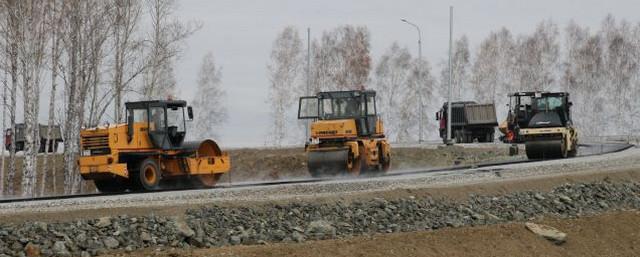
{"x":573,"y":152}
{"x":148,"y":175}
{"x":355,"y":165}
{"x":385,"y":160}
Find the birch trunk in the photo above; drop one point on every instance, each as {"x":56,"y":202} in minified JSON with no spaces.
{"x":32,"y":38}
{"x":12,"y":52}
{"x":4,"y":131}
{"x":72,"y":123}
{"x":48,"y":165}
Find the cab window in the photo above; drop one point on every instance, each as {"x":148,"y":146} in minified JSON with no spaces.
{"x":175,"y":118}
{"x":139,"y":115}
{"x":371,"y":105}
{"x":156,"y":121}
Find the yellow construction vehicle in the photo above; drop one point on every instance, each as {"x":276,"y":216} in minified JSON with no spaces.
{"x":542,"y":121}
{"x":347,"y":136}
{"x":149,"y":149}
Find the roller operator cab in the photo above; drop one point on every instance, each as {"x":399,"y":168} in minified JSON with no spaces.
{"x":149,"y":151}
{"x":542,"y":121}
{"x":346,"y":134}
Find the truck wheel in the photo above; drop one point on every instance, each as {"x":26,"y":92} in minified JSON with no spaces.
{"x":458,"y":137}
{"x":488,"y":137}
{"x":148,"y":175}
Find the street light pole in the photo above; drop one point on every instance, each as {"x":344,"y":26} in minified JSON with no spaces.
{"x":306,"y":122}
{"x":420,"y":105}
{"x":450,"y":76}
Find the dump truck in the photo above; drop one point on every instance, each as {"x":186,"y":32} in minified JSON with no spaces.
{"x":346,"y":135}
{"x":470,"y":121}
{"x":149,"y":151}
{"x":542,"y":121}
{"x":51,"y":146}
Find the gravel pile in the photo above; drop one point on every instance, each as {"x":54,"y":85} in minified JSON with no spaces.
{"x":217,"y":226}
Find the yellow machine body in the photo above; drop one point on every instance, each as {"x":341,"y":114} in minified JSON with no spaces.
{"x":116,"y":158}
{"x":337,"y":147}
{"x":115,"y":137}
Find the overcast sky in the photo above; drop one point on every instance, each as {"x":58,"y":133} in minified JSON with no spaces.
{"x":240,"y":35}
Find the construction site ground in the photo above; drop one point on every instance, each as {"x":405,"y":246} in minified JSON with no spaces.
{"x":610,"y":234}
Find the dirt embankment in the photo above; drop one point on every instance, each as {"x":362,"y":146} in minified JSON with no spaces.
{"x":611,"y":234}
{"x":271,"y":164}
{"x":55,"y":175}
{"x":250,"y":164}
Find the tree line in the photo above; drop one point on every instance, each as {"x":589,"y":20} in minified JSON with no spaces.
{"x":599,"y":67}
{"x":91,"y":56}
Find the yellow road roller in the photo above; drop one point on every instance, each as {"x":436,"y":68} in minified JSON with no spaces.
{"x":148,"y":151}
{"x":346,"y":135}
{"x":542,"y":121}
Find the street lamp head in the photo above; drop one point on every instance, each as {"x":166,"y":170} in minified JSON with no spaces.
{"x":403,"y":20}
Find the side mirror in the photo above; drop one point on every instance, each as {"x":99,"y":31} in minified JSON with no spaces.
{"x":570,"y":104}
{"x":190,"y":112}
{"x":437,"y":115}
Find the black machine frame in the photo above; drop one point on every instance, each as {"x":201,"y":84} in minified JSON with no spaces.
{"x":167,"y":138}
{"x":523,"y":113}
{"x":361,"y":94}
{"x":365,"y":122}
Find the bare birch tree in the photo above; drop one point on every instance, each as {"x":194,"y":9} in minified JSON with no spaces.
{"x":83,"y":46}
{"x":341,"y":59}
{"x":209,"y":103}
{"x":583,"y":77}
{"x":56,"y":20}
{"x":285,"y":71}
{"x":537,"y":58}
{"x":3,"y":67}
{"x":32,"y":38}
{"x":492,"y":70}
{"x":461,"y":63}
{"x":126,"y":16}
{"x":12,"y":32}
{"x":619,"y":68}
{"x":422,"y":85}
{"x":167,"y":36}
{"x":391,"y":75}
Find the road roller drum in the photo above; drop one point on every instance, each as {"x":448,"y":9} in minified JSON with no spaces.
{"x":328,"y":163}
{"x":545,"y":149}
